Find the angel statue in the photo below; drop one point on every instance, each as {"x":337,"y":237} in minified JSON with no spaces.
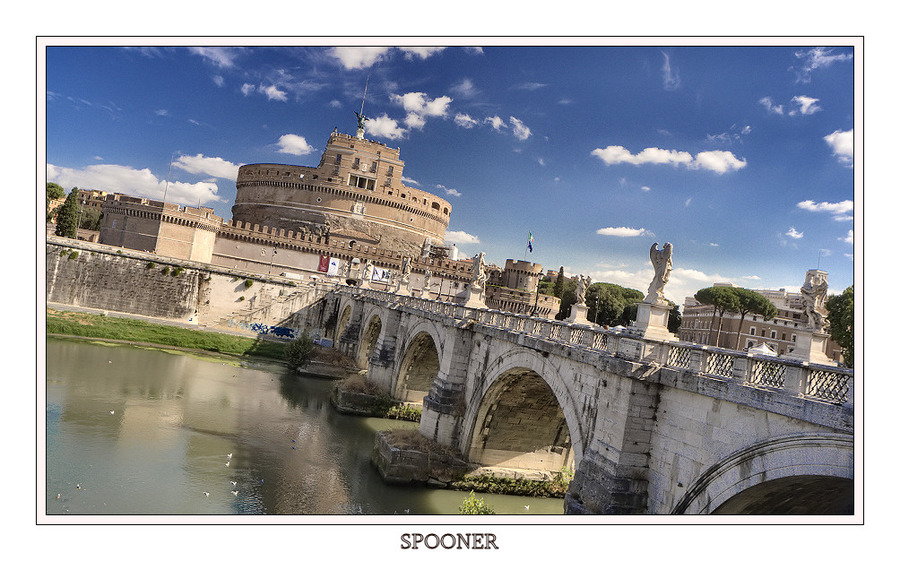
{"x":662,"y":266}
{"x":812,"y":294}
{"x":581,"y":286}
{"x":479,"y":277}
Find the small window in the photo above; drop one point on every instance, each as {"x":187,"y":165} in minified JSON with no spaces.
{"x":753,"y":331}
{"x":390,"y":171}
{"x":337,"y":160}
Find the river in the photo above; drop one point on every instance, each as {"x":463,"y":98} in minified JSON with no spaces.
{"x":137,"y":431}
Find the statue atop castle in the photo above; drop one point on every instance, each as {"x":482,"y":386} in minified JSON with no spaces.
{"x":360,"y":124}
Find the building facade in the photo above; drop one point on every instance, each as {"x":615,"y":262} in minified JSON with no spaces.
{"x":700,"y":324}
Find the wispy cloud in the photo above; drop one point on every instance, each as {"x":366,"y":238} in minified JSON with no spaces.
{"x":670,"y":76}
{"x":841,"y":211}
{"x":771,"y":106}
{"x":223,"y":57}
{"x":460,"y":238}
{"x":623,"y":232}
{"x":714,"y":160}
{"x":519,"y":130}
{"x":815,"y":58}
{"x":448,"y":190}
{"x":807,"y":105}
{"x":356,"y":58}
{"x":793,"y":233}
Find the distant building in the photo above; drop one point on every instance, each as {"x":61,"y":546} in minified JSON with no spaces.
{"x":700,"y":323}
{"x":514,"y":289}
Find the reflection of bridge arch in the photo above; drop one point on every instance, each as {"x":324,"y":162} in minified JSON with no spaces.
{"x":518,"y":420}
{"x":796,"y":474}
{"x":420,"y":363}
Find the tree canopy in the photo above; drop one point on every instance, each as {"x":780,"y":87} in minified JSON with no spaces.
{"x":840,"y":318}
{"x":722,"y":299}
{"x":67,"y":217}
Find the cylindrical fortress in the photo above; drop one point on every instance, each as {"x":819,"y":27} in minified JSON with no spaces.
{"x":355,"y":193}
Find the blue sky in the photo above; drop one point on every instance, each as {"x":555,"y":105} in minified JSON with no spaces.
{"x":740,"y":156}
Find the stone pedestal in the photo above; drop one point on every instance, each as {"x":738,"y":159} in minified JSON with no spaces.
{"x":403,"y":288}
{"x":810,"y":347}
{"x":474,"y":297}
{"x":578,"y":315}
{"x":652,"y":320}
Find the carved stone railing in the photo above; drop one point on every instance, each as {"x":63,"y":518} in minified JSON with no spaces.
{"x":819,"y":382}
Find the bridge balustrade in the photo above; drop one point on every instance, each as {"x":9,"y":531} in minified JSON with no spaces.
{"x":812,"y":381}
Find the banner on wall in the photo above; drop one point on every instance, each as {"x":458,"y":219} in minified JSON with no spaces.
{"x":323,"y":263}
{"x":381,"y":275}
{"x":334,"y":267}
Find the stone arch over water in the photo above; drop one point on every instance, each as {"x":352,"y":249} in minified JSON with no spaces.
{"x":343,"y":320}
{"x":368,"y":343}
{"x":420,"y":365}
{"x":523,"y":419}
{"x":794,"y":474}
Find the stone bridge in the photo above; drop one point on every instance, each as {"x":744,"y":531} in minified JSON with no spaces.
{"x":647,"y":426}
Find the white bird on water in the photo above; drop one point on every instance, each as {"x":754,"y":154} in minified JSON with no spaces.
{"x":227,"y":464}
{"x":234,"y":493}
{"x":206,"y":493}
{"x":112,"y":412}
{"x":527,"y":507}
{"x":233,"y":483}
{"x":228,"y":456}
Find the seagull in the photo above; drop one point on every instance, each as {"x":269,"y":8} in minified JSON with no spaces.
{"x":233,"y":483}
{"x":112,"y":412}
{"x":78,"y":485}
{"x":206,"y":493}
{"x":234,"y":493}
{"x":227,"y":463}
{"x":527,"y":507}
{"x":58,"y":495}
{"x":228,"y":456}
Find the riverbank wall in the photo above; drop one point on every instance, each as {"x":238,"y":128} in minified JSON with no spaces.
{"x":114,"y":279}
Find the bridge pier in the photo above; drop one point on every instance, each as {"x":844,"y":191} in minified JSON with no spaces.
{"x":444,"y":406}
{"x":612,"y":477}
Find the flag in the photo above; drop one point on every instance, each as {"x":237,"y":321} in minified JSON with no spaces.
{"x":323,"y":263}
{"x":530,"y":239}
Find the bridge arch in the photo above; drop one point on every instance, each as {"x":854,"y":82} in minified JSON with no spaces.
{"x":421,"y":362}
{"x":344,"y":315}
{"x":522,"y":417}
{"x":372,"y":334}
{"x":816,"y":470}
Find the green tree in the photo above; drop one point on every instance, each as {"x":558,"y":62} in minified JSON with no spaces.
{"x":91,"y":218}
{"x":472,"y":505}
{"x":674,"y":323}
{"x":721,"y":299}
{"x":560,"y":283}
{"x":298,"y":352}
{"x":54,"y":192}
{"x":749,"y":301}
{"x":840,"y":319}
{"x":608,"y":304}
{"x":67,"y":217}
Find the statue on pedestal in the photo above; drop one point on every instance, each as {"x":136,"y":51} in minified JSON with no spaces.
{"x":813,"y":293}
{"x":479,"y":276}
{"x":662,"y":266}
{"x":582,"y":284}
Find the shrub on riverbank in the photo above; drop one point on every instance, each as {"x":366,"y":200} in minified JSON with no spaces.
{"x":123,"y":329}
{"x":555,"y":487}
{"x":298,"y":352}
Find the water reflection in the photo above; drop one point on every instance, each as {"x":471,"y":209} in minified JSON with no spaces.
{"x":141,"y":431}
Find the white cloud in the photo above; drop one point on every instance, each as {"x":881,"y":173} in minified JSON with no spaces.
{"x":771,"y":106}
{"x":520,"y":131}
{"x":218,"y":80}
{"x":465,"y":89}
{"x":421,"y":52}
{"x":671,"y":79}
{"x":715,"y":160}
{"x":418,"y":106}
{"x":247,"y":89}
{"x":294,"y":144}
{"x":465,"y":121}
{"x":384,"y":127}
{"x":134,"y":182}
{"x":807,"y":105}
{"x":272,"y":92}
{"x":496,"y":122}
{"x":623,"y":232}
{"x":841,"y":211}
{"x":449,"y":191}
{"x":200,"y":164}
{"x":815,"y":58}
{"x":359,"y":57}
{"x":460,"y":237}
{"x":841,"y":143}
{"x":848,"y":238}
{"x":793,"y":233}
{"x":220,"y":56}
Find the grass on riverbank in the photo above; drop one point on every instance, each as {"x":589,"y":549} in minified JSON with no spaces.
{"x":122,"y":329}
